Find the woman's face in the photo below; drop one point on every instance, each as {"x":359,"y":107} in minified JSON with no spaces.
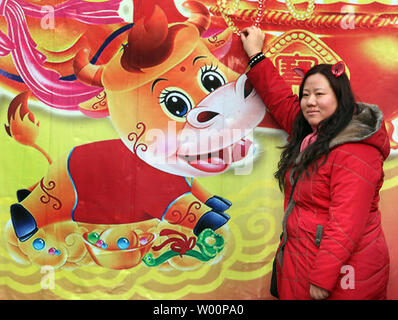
{"x":319,"y":101}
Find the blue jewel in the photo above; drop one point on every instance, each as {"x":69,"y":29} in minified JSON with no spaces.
{"x":39,"y":244}
{"x":123,"y":243}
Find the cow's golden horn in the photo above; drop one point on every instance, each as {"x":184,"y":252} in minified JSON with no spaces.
{"x":200,"y":16}
{"x":85,"y":71}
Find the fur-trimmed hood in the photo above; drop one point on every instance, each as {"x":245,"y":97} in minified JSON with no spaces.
{"x":368,"y":127}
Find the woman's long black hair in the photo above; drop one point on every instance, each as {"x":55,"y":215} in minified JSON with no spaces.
{"x":326,"y":130}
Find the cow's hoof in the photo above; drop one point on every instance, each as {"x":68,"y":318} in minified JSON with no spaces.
{"x":22,"y":194}
{"x":212,"y":220}
{"x":218,"y":204}
{"x":23,"y":222}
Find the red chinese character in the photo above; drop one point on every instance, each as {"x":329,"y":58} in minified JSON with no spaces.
{"x":285,"y":64}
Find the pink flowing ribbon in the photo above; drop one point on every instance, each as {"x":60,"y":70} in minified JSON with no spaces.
{"x":45,"y":83}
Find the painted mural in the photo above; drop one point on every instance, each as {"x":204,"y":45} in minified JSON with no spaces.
{"x":137,"y":160}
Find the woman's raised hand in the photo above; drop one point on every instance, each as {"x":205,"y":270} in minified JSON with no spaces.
{"x":253,"y":40}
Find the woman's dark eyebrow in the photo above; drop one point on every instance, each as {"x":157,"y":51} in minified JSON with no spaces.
{"x":156,"y":81}
{"x":314,"y":89}
{"x":197,"y":58}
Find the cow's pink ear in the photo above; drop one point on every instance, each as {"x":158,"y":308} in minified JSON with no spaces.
{"x":300,"y":71}
{"x":338,"y":69}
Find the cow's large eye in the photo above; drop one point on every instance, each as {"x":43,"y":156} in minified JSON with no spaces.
{"x":211,"y":78}
{"x":175,"y":103}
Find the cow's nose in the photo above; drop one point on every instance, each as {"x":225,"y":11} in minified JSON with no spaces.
{"x":248,"y":88}
{"x":206,"y":116}
{"x":202,"y":117}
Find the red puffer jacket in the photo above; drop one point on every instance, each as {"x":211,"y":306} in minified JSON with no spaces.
{"x":334,"y":238}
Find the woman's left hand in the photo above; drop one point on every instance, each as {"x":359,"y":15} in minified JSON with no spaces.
{"x":318,"y":293}
{"x":253,"y":39}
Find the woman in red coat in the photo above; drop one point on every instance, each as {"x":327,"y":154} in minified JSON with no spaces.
{"x":333,"y":246}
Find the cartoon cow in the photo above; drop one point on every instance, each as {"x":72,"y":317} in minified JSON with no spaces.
{"x":179,"y":113}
